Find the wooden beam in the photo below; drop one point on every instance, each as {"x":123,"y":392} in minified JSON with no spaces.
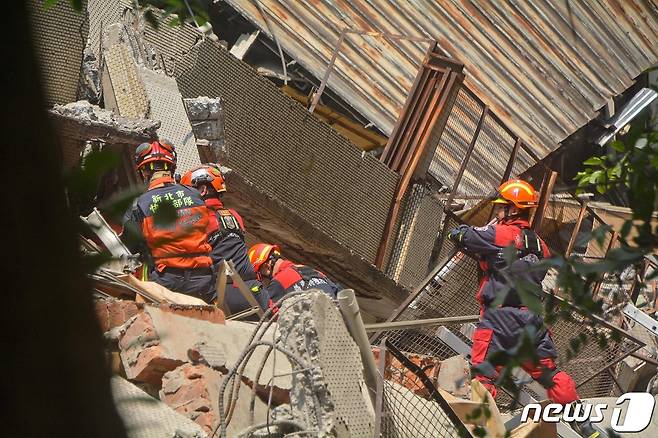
{"x":574,"y":234}
{"x":544,"y":197}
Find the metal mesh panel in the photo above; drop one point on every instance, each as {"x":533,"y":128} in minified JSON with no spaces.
{"x":455,"y":139}
{"x":522,"y":162}
{"x":451,"y":292}
{"x":408,"y":415}
{"x":490,"y":155}
{"x":411,"y":406}
{"x":312,"y":168}
{"x":59,"y":34}
{"x":558,"y":223}
{"x":418,"y":227}
{"x":167,"y":106}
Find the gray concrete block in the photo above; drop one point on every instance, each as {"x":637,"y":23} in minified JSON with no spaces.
{"x":455,"y":376}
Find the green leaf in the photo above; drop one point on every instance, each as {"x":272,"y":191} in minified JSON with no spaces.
{"x":593,"y":161}
{"x":76,"y":5}
{"x":151,"y":18}
{"x":594,"y":177}
{"x":626,"y":228}
{"x":618,"y":146}
{"x":47,"y":4}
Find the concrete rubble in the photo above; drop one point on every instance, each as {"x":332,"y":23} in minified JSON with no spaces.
{"x":198,"y":374}
{"x":207,"y":118}
{"x":92,"y":122}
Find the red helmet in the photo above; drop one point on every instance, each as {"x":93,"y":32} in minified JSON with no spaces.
{"x":205,"y":174}
{"x":161,"y":151}
{"x":261,"y":252}
{"x":517,"y":192}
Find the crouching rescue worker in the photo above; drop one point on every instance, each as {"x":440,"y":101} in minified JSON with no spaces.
{"x":226,"y":236}
{"x":176,"y":252}
{"x":501,"y":325}
{"x":284,"y":276}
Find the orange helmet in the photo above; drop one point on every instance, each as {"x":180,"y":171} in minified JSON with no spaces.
{"x":517,"y":192}
{"x":261,"y":252}
{"x":157,"y":151}
{"x":205,"y":174}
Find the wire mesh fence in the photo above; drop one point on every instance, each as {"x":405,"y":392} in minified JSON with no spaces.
{"x":456,"y":138}
{"x":450,"y":291}
{"x":410,"y":404}
{"x":471,"y":124}
{"x":417,"y":230}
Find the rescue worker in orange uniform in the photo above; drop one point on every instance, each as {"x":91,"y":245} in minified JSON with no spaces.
{"x":284,"y":276}
{"x":501,"y":325}
{"x":176,"y":252}
{"x":226,"y":236}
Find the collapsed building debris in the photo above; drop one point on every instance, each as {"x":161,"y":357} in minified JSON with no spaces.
{"x":301,"y":183}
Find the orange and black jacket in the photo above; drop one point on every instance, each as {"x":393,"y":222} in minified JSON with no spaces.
{"x":181,"y":243}
{"x":226,"y":235}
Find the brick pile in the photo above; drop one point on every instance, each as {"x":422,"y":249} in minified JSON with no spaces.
{"x":452,"y":374}
{"x":155,"y":342}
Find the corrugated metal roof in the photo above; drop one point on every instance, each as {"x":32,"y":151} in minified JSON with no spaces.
{"x":544,"y":67}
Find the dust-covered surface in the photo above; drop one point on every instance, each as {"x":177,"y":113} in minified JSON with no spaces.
{"x":330,"y":397}
{"x":146,"y":417}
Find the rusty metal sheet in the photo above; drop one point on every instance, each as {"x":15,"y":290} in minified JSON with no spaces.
{"x":545,"y":68}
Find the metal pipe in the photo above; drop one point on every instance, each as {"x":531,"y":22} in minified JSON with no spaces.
{"x":349,"y":307}
{"x":330,"y":67}
{"x":648,"y":360}
{"x":467,"y":157}
{"x":401,"y":325}
{"x":379,"y":397}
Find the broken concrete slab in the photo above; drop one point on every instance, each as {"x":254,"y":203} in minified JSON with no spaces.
{"x":631,"y":371}
{"x":83,"y":121}
{"x":207,"y":118}
{"x":156,"y":341}
{"x":329,"y":396}
{"x":455,"y":376}
{"x":268,"y":219}
{"x":147,"y":417}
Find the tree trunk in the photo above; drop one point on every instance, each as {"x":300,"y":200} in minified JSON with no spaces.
{"x":57,"y":380}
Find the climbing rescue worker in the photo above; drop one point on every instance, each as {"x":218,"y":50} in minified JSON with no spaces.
{"x":226,"y":236}
{"x":284,"y":276}
{"x":501,"y":325}
{"x":175,"y":250}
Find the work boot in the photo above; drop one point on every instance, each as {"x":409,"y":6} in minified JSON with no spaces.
{"x":586,"y":429}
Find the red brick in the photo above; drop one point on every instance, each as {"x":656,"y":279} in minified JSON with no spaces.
{"x":113,"y":313}
{"x":102,"y":314}
{"x":396,"y":372}
{"x":121,"y":311}
{"x":143,"y":357}
{"x":191,"y":390}
{"x":204,"y":313}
